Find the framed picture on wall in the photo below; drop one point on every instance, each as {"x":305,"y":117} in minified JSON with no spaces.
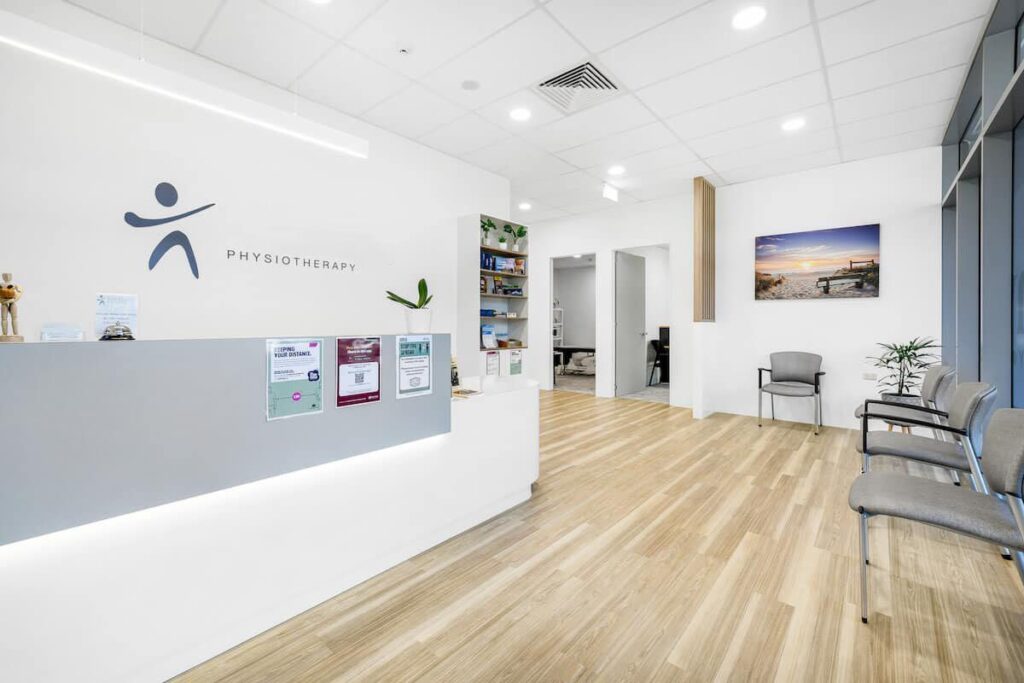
{"x":836,"y":263}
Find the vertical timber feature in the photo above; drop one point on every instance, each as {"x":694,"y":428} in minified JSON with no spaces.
{"x":703,"y":251}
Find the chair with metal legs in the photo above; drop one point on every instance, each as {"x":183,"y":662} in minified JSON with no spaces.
{"x":935,"y":389}
{"x":998,"y":519}
{"x":969,"y":409}
{"x":793,"y":374}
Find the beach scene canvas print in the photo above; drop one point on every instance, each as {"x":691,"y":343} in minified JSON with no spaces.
{"x":820,"y":264}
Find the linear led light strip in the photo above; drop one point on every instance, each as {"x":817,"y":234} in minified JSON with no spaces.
{"x":179,"y":97}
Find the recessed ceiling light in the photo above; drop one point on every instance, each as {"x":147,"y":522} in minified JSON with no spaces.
{"x":748,"y":17}
{"x":520,"y":114}
{"x":577,"y":255}
{"x":609,"y":192}
{"x":794,"y":124}
{"x":525,"y":206}
{"x":616,"y":170}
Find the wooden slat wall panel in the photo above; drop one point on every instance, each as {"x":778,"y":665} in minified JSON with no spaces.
{"x":703,"y":250}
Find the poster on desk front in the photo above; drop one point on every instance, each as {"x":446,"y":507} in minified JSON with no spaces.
{"x":414,"y":366}
{"x":358,"y":370}
{"x":294,"y":385}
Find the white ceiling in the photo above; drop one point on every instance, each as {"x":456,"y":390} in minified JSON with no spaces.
{"x":872,"y":77}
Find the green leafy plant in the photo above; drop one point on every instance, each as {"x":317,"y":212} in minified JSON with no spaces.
{"x":421,"y":303}
{"x":905,"y":364}
{"x":517,"y":232}
{"x":502,"y":239}
{"x":486,"y":224}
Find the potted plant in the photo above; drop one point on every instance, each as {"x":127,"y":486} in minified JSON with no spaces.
{"x":502,"y":242}
{"x":904,"y":366}
{"x":417,"y":315}
{"x":517,"y":233}
{"x":486,"y":224}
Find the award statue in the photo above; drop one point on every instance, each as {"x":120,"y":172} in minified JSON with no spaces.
{"x":9,"y":295}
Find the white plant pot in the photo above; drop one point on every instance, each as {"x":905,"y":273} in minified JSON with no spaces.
{"x":503,"y":245}
{"x":417,"y":320}
{"x":515,"y":246}
{"x":488,"y":241}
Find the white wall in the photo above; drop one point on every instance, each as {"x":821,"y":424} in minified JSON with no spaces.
{"x":657,"y":278}
{"x":901,"y":192}
{"x":663,"y":222}
{"x":81,"y":150}
{"x":575,"y":288}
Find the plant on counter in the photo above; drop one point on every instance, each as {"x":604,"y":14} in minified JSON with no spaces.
{"x":905,"y":364}
{"x":517,"y":233}
{"x":486,"y":224}
{"x":421,"y":303}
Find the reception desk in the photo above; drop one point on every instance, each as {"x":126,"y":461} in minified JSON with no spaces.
{"x":150,"y":593}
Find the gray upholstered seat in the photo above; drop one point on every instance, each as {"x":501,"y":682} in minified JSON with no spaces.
{"x":892,"y":413}
{"x":935,"y":389}
{"x":932,"y":502}
{"x":789,"y":389}
{"x":793,"y":374}
{"x":920,"y":448}
{"x":997,"y":518}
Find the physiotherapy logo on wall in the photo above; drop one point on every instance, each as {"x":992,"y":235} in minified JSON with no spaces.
{"x":167,"y":195}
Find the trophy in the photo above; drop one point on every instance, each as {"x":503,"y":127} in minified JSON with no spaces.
{"x":9,"y":295}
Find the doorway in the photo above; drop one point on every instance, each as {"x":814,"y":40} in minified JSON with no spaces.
{"x":573,"y":323}
{"x":642,"y":315}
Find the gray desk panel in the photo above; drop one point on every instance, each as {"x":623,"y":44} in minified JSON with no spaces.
{"x":97,"y":429}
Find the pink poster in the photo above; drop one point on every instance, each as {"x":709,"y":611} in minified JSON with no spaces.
{"x":358,"y":370}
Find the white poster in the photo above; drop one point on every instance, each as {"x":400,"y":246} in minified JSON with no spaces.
{"x":415,"y":369}
{"x":492,"y":363}
{"x":117,"y":308}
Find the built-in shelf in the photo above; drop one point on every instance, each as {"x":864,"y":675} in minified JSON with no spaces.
{"x":484,"y":295}
{"x":504,"y":348}
{"x":501,"y":317}
{"x":503,"y":252}
{"x":503,"y":273}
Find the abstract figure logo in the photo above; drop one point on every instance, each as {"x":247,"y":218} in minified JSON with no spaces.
{"x":167,"y":195}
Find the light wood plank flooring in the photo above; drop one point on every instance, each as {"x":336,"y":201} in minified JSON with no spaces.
{"x":657,"y":547}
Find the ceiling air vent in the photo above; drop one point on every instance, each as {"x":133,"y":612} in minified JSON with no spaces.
{"x":578,"y":88}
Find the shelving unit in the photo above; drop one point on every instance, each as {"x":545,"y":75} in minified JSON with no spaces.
{"x":978,"y":231}
{"x":517,"y":327}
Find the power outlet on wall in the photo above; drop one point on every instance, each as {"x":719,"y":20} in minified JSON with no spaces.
{"x":873,"y":376}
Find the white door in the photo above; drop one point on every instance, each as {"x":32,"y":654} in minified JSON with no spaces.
{"x":630,"y":325}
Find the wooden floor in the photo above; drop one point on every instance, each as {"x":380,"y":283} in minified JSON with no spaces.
{"x":661,"y":548}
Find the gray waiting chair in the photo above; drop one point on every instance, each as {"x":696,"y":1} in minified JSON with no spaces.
{"x":935,"y":390}
{"x":793,"y":374}
{"x":998,"y":519}
{"x":969,"y":409}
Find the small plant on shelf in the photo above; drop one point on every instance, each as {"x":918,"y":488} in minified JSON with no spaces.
{"x":486,"y":224}
{"x":517,"y":232}
{"x":905,"y":365}
{"x":502,"y":240}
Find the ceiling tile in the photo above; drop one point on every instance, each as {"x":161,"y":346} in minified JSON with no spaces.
{"x":654,"y":160}
{"x":286,"y":47}
{"x":599,"y":24}
{"x":413,"y":112}
{"x":541,"y":111}
{"x":773,"y":62}
{"x":525,"y":53}
{"x":537,"y":212}
{"x":884,"y":23}
{"x":614,"y":148}
{"x":662,"y":182}
{"x":935,"y":52}
{"x":804,"y":162}
{"x":181,"y":23}
{"x":779,"y":150}
{"x":518,"y":160}
{"x":762,"y":132}
{"x":826,"y":8}
{"x":698,"y":37}
{"x":348,"y":81}
{"x":587,"y":201}
{"x":464,"y":135}
{"x":899,"y":96}
{"x":538,"y":188}
{"x":927,"y":116}
{"x":772,"y":101}
{"x":433,"y":32}
{"x":590,"y":124}
{"x":335,"y":18}
{"x":928,"y":137}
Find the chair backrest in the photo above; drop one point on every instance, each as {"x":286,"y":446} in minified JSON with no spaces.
{"x":795,"y":366}
{"x":938,"y":380}
{"x":1004,"y":452}
{"x":652,"y":351}
{"x":969,"y":409}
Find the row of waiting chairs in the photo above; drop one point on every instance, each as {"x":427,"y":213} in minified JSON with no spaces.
{"x":968,"y":441}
